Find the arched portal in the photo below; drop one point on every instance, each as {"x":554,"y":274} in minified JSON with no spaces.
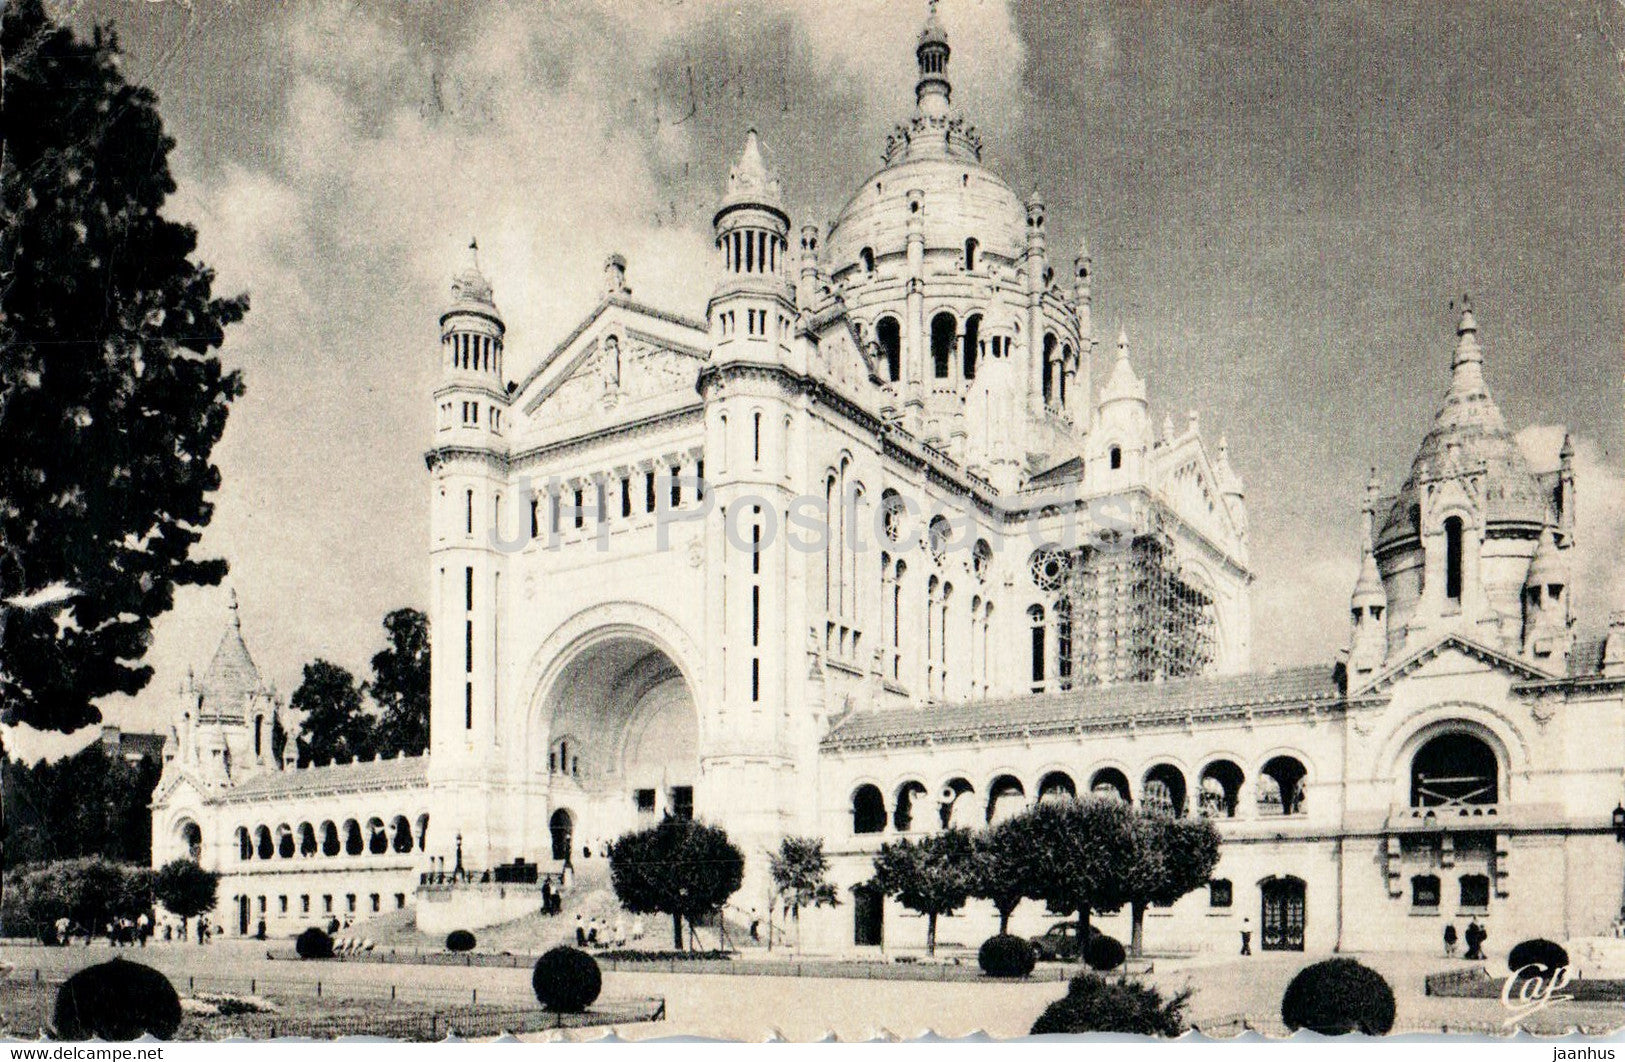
{"x":191,"y":838}
{"x":634,"y":737}
{"x":561,"y":831}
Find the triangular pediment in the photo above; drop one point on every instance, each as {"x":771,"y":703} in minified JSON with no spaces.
{"x":1437,"y":655}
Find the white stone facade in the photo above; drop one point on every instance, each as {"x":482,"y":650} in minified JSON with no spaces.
{"x":663,"y":579}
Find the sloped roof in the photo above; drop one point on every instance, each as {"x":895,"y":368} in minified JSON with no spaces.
{"x":232,"y":677}
{"x":403,"y":772}
{"x":1090,"y":707}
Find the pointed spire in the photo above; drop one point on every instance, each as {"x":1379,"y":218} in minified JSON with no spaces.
{"x":469,"y":288}
{"x":1123,"y":382}
{"x":751,"y":183}
{"x":1467,"y":348}
{"x":236,"y":617}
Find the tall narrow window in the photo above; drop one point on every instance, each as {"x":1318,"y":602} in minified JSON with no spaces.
{"x":970,"y":253}
{"x":535,"y":523}
{"x":1452,"y":558}
{"x":1115,"y":457}
{"x":468,"y":589}
{"x":888,"y":333}
{"x":1036,"y":615}
{"x":649,"y":491}
{"x":973,"y":337}
{"x":468,"y":706}
{"x":603,"y":510}
{"x":756,"y":438}
{"x":626,"y":496}
{"x":581,"y":507}
{"x":944,"y":330}
{"x":468,"y":646}
{"x":756,"y":615}
{"x":470,"y":520}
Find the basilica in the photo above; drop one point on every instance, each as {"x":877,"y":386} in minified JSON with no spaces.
{"x":886,"y":540}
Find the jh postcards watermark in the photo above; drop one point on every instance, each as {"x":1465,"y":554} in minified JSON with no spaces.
{"x":561,"y":513}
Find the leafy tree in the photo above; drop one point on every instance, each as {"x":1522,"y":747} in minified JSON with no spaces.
{"x":931,"y":876}
{"x":186,"y":889}
{"x":800,"y":873}
{"x":334,"y":726}
{"x":89,"y":803}
{"x":90,"y":892}
{"x":400,"y":684}
{"x":1078,"y":855}
{"x":1171,"y":858}
{"x":111,"y":394}
{"x":678,"y":867}
{"x":996,"y":866}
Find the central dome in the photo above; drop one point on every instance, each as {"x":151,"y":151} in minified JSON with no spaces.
{"x":938,"y":154}
{"x":961,"y":200}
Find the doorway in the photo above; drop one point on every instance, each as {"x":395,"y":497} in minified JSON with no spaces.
{"x":868,"y":916}
{"x":242,"y":916}
{"x":1282,"y":919}
{"x":561,"y":827}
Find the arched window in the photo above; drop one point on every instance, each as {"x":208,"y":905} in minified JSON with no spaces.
{"x":1110,"y":782}
{"x":944,"y":330}
{"x":868,"y":809}
{"x":1005,"y":797}
{"x":1035,"y":617}
{"x":1285,"y":795}
{"x":1220,"y":789}
{"x":867,"y":257}
{"x":262,"y":842}
{"x":1050,"y":369}
{"x":1475,"y":890}
{"x":1114,"y":458}
{"x":192,"y":841}
{"x":890,"y":337}
{"x":330,"y":839}
{"x":1164,"y":792}
{"x":377,"y":838}
{"x":259,"y":735}
{"x":968,"y":347}
{"x":971,"y":247}
{"x":1452,"y":770}
{"x":903,"y":815}
{"x":1060,"y":372}
{"x":957,"y":806}
{"x":1425,"y":890}
{"x":307,"y":839}
{"x":245,"y":844}
{"x":423,"y":832}
{"x":401,"y":835}
{"x":353,"y":844}
{"x":1057,"y":785}
{"x":285,"y":846}
{"x":1452,"y":558}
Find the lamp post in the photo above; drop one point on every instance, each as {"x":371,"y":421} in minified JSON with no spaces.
{"x":1619,"y":835}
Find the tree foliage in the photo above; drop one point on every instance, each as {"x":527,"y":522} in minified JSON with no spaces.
{"x":89,"y":892}
{"x":1171,"y":857}
{"x":996,"y":866}
{"x":800,"y":871}
{"x":186,"y":889}
{"x":400,"y":684}
{"x":334,"y":727}
{"x":338,"y":724}
{"x":89,"y":803}
{"x":931,"y":876}
{"x":1078,"y":855}
{"x":684,"y":869}
{"x":112,"y":397}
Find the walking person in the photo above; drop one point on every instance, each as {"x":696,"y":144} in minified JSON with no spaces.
{"x":581,"y":933}
{"x":1246,"y":936}
{"x":1449,"y":941}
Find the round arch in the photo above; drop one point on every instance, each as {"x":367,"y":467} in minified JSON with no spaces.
{"x":1500,"y":734}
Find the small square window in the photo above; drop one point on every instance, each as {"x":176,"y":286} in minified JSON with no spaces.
{"x":1219,"y":893}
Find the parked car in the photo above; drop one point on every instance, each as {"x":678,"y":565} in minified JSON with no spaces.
{"x":1060,"y":942}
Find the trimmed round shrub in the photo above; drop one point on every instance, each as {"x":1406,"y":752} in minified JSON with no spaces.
{"x":1004,"y":955}
{"x":313,"y":943}
{"x":1093,"y":1004}
{"x":1339,"y":996}
{"x":1546,"y":954}
{"x":117,"y":1000}
{"x":566,"y":980}
{"x":459,"y":940}
{"x":1103,"y":953}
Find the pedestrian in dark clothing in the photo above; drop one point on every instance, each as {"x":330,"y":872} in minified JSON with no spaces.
{"x":1449,"y":941}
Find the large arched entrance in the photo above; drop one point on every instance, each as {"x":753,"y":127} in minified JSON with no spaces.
{"x":621,"y":743}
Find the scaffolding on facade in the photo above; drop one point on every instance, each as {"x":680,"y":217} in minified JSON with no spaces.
{"x":1128,"y":614}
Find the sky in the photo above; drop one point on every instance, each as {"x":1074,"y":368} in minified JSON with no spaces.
{"x":1284,"y":203}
